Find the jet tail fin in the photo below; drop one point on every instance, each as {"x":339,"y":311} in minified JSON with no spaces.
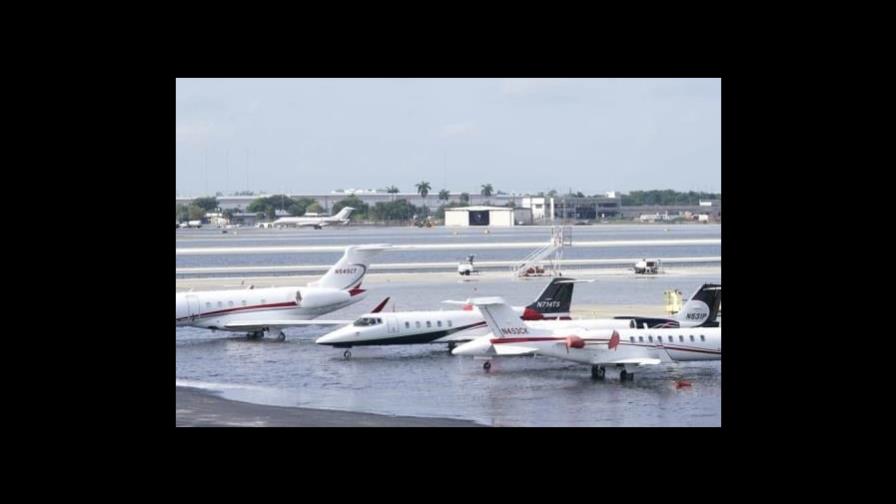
{"x":703,"y":307}
{"x":380,"y":306}
{"x":349,"y":271}
{"x":553,"y":302}
{"x":501,"y":319}
{"x":344,"y":214}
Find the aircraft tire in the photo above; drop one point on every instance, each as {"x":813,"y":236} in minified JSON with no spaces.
{"x":487,"y":365}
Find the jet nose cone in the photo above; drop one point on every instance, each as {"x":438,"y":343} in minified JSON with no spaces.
{"x":340,"y":335}
{"x":326,"y":339}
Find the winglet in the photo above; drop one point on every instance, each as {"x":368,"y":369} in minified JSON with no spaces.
{"x":614,"y":341}
{"x":380,"y":306}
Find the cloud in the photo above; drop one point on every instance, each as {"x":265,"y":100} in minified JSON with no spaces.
{"x":459,"y":129}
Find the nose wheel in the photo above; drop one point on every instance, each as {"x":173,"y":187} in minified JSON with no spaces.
{"x":625,"y":375}
{"x":487,"y":365}
{"x":347,"y":354}
{"x":281,"y":337}
{"x":598,"y":372}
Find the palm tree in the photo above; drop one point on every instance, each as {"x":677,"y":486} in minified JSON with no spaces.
{"x":487,"y":190}
{"x":392,"y":189}
{"x":423,"y":188}
{"x":444,"y":194}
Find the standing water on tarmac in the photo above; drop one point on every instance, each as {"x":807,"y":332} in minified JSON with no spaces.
{"x":425,"y":380}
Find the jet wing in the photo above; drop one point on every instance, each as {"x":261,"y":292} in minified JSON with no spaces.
{"x":638,"y":361}
{"x":457,"y":337}
{"x":260,"y":324}
{"x":513,"y":350}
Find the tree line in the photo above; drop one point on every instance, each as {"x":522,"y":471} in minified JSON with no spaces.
{"x":402,"y":210}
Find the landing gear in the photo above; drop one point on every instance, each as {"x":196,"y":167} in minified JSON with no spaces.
{"x":598,"y":372}
{"x":255,"y":335}
{"x":451,"y":346}
{"x":347,"y":354}
{"x":487,"y":365}
{"x":625,"y":375}
{"x":281,"y":337}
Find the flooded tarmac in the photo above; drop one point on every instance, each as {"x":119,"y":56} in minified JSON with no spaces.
{"x":426,"y":381}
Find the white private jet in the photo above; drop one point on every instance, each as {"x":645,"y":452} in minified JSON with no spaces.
{"x":446,"y":326}
{"x":549,"y":311}
{"x":621,"y":348}
{"x":316,"y":222}
{"x":260,"y":311}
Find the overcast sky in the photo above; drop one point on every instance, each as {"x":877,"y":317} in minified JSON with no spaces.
{"x":520,"y":135}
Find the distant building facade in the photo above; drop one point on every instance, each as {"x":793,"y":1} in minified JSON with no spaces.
{"x":487,"y":216}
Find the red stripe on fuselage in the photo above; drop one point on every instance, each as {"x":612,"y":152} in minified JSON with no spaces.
{"x":231,"y":310}
{"x":496,"y":341}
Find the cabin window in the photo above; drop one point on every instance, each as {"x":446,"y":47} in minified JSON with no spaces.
{"x":220,"y":304}
{"x":428,"y":324}
{"x":702,"y":338}
{"x":671,"y":339}
{"x":681,"y":338}
{"x":244,"y":302}
{"x":650,"y":338}
{"x":230,"y":303}
{"x":692,"y":337}
{"x":262,"y":301}
{"x":632,"y":338}
{"x":449,"y":323}
{"x":418,"y":324}
{"x":407,"y":325}
{"x":208,"y":305}
{"x":641,"y":339}
{"x":439,"y":323}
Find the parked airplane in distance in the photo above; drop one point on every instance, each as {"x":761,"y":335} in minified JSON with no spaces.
{"x":268,"y":311}
{"x":316,"y":222}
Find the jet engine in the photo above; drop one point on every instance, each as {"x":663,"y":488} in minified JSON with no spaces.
{"x":321,"y":297}
{"x":574,"y":342}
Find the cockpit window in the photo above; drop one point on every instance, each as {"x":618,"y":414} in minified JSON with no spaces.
{"x":368,"y":321}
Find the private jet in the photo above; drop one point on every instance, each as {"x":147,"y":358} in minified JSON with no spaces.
{"x":316,"y":222}
{"x":623,"y":349}
{"x":268,"y":311}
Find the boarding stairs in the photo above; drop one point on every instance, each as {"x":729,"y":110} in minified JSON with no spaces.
{"x":552,"y":254}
